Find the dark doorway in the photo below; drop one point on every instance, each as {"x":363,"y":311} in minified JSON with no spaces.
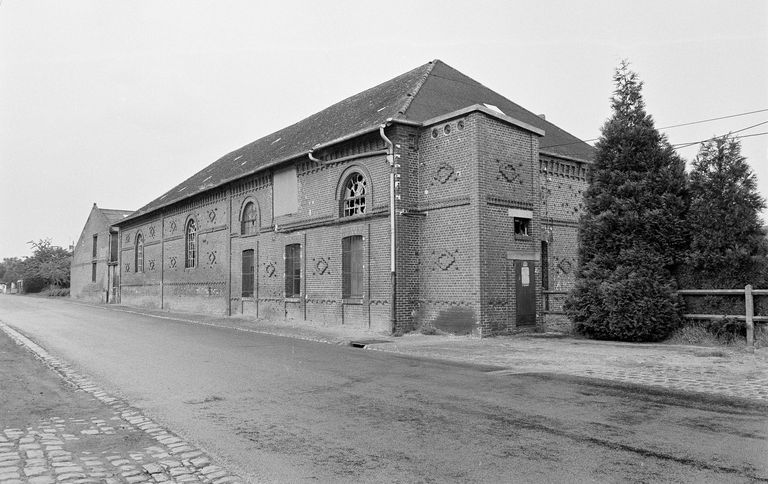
{"x":525,"y":293}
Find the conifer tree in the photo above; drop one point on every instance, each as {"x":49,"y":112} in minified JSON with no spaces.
{"x":632,"y":233}
{"x":728,"y":245}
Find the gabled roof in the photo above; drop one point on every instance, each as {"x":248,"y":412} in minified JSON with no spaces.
{"x":114,"y":215}
{"x":430,"y":90}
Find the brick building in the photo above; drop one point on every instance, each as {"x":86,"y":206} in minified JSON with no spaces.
{"x":426,"y":201}
{"x":95,"y":274}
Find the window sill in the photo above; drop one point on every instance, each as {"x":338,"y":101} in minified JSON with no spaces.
{"x":523,"y":237}
{"x":293,"y":299}
{"x":352,"y":300}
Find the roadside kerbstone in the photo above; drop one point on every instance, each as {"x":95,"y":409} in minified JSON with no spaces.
{"x":67,"y":469}
{"x":34,"y":454}
{"x":41,"y":480}
{"x":71,"y":476}
{"x":34,"y":471}
{"x":136,"y":479}
{"x":153,"y":468}
{"x":200,"y":461}
{"x":209,"y":469}
{"x":179,"y":471}
{"x":226,"y":480}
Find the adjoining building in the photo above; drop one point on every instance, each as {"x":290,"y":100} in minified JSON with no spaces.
{"x":426,"y":201}
{"x":95,"y":273}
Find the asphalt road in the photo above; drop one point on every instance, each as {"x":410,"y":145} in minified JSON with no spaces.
{"x":278,"y":409}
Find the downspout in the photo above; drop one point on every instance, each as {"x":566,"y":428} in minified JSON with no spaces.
{"x":393,"y":275}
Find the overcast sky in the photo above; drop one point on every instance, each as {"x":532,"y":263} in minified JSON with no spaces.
{"x":115,"y":102}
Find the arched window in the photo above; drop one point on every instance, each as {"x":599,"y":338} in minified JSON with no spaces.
{"x":249,"y":220}
{"x":354,"y":195}
{"x":139,"y":262}
{"x":191,"y":244}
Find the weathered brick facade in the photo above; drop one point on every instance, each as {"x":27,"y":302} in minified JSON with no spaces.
{"x":463,"y":263}
{"x":94,"y":266}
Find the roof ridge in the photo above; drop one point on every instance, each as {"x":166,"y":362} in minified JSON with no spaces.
{"x":412,"y":95}
{"x":115,"y":210}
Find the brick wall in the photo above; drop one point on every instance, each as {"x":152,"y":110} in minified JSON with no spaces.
{"x":508,"y":179}
{"x":165,"y":282}
{"x":214,"y":286}
{"x":81,"y":284}
{"x":562,"y":185}
{"x":456,"y":182}
{"x":448,"y":249}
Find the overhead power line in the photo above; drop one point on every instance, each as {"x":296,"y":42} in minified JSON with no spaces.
{"x":671,"y":126}
{"x":686,"y":145}
{"x":714,"y":119}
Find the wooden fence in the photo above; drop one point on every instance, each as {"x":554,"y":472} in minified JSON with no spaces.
{"x":749,"y":306}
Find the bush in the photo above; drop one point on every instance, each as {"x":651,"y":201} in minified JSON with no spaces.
{"x":33,"y":285}
{"x":634,"y":303}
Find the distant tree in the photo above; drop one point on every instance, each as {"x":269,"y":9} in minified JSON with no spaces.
{"x":632,"y":233}
{"x":728,"y":245}
{"x":12,"y":269}
{"x":50,"y":263}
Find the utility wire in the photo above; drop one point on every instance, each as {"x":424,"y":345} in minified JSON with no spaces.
{"x":670,"y":127}
{"x":686,"y":145}
{"x":714,"y":119}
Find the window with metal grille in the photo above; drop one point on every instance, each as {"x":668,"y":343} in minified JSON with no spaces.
{"x":352,"y":267}
{"x":355,"y":191}
{"x":139,"y":263}
{"x":248,"y":273}
{"x":249,"y":220}
{"x":191,"y":245}
{"x":95,"y":240}
{"x":293,"y":270}
{"x":93,"y":272}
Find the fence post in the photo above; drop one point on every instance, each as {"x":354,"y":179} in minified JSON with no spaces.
{"x":750,"y":312}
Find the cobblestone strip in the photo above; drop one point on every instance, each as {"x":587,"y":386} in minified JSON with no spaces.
{"x":50,"y":452}
{"x":672,"y":377}
{"x":677,"y":379}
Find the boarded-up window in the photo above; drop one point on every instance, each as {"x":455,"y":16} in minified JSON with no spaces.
{"x":248,"y":273}
{"x":249,"y":221}
{"x":293,"y":270}
{"x":352,"y":267}
{"x":113,"y":249}
{"x":286,"y":190}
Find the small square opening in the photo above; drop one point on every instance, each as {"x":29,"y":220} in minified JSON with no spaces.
{"x":522,"y":227}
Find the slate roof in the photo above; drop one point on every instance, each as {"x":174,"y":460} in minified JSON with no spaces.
{"x":430,"y":90}
{"x":113,"y":216}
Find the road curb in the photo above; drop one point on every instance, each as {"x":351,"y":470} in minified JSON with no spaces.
{"x":175,"y":456}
